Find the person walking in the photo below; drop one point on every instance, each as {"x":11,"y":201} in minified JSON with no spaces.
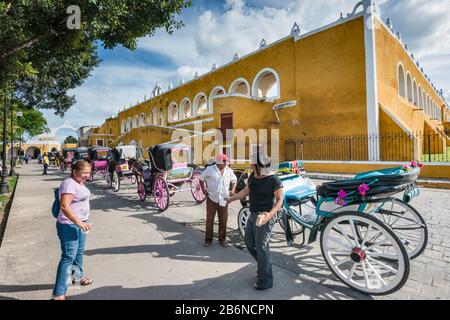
{"x":72,"y":226}
{"x":45,"y":162}
{"x":265,"y":192}
{"x":218,"y":178}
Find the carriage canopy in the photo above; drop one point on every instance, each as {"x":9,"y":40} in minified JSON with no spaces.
{"x":125,"y":152}
{"x":99,"y":153}
{"x":168,"y":156}
{"x":80,"y":153}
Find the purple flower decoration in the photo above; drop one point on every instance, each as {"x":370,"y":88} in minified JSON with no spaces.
{"x":363,"y":189}
{"x":342,"y":194}
{"x":340,"y":202}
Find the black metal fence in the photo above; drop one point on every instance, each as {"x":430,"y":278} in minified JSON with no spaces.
{"x":425,"y":147}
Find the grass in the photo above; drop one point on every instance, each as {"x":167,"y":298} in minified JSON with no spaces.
{"x":437,"y":157}
{"x":5,"y":205}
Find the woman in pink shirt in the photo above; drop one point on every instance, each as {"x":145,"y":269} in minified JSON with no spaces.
{"x":72,"y":227}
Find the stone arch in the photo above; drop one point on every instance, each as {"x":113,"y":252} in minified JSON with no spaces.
{"x":241,"y":86}
{"x":123,"y":126}
{"x":415,"y":95}
{"x":33,"y":151}
{"x":200,"y":105}
{"x":185,"y":109}
{"x":135,"y":121}
{"x":266,"y":84}
{"x":155,"y":115}
{"x":173,"y":112}
{"x":401,"y":81}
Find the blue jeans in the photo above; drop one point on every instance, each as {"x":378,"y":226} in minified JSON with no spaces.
{"x":257,"y":242}
{"x":72,"y":247}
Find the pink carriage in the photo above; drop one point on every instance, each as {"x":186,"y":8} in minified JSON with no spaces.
{"x":98,"y":157}
{"x":169,"y":171}
{"x":68,"y":154}
{"x":119,"y":166}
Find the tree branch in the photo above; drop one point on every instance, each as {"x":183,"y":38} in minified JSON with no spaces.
{"x":21,"y":46}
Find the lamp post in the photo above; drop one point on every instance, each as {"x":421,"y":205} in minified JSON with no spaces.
{"x":19,"y":116}
{"x":4,"y":188}
{"x":12,"y":172}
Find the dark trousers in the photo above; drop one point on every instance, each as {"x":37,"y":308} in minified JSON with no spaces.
{"x":257,"y":242}
{"x":222,"y":212}
{"x":45,"y":169}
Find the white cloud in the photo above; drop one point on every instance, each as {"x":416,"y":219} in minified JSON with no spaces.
{"x":214,"y":36}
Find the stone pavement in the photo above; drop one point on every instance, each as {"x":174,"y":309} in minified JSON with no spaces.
{"x":134,"y":252}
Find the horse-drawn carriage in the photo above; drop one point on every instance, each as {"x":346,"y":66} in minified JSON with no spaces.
{"x":98,"y":158}
{"x":367,"y":235}
{"x":168,"y":171}
{"x":119,"y":165}
{"x":67,"y":156}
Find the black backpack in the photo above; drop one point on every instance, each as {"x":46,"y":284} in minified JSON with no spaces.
{"x":56,"y":204}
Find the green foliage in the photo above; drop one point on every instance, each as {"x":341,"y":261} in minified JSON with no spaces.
{"x":41,"y":58}
{"x":70,"y":139}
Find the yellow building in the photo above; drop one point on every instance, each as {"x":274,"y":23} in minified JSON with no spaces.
{"x":352,"y":78}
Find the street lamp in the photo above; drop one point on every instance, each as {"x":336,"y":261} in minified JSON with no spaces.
{"x":4,"y":188}
{"x":12,"y":172}
{"x":19,"y":116}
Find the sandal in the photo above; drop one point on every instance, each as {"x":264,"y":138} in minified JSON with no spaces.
{"x":86,"y":281}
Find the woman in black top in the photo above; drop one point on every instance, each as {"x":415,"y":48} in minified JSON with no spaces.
{"x":265,"y":193}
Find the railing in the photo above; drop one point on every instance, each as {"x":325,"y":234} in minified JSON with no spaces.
{"x":398,"y":146}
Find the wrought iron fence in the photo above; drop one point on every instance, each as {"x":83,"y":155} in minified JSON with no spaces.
{"x":422,"y":146}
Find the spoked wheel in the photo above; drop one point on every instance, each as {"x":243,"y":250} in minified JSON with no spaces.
{"x":196,"y":188}
{"x":115,"y":181}
{"x":141,"y":191}
{"x":296,"y":228}
{"x":161,"y":193}
{"x":372,"y":267}
{"x":242,"y":219}
{"x":172,"y":190}
{"x":109,"y":180}
{"x":406,"y":223}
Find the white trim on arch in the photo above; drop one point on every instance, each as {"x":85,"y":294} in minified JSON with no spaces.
{"x":142,"y":119}
{"x":155,"y":115}
{"x":257,"y":79}
{"x":181,"y":115}
{"x":235,"y":84}
{"x":213,"y":94}
{"x":129,"y":124}
{"x":171,"y":114}
{"x":123,"y":126}
{"x":195,"y":106}
{"x":409,"y":88}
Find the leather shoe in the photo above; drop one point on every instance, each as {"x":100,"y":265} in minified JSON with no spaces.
{"x":207,"y":244}
{"x":224,"y":243}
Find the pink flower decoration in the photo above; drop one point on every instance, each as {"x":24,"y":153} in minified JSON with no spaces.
{"x":414,"y":164}
{"x":405,"y":166}
{"x":363,"y":189}
{"x":342,"y":194}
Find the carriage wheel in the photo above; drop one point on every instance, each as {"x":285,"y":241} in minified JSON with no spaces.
{"x":161,"y":193}
{"x":196,"y":188}
{"x":115,"y":181}
{"x":242,"y":219}
{"x":375,"y":268}
{"x":141,"y":191}
{"x":406,"y":223}
{"x":62,"y":167}
{"x":172,"y":190}
{"x":296,"y":228}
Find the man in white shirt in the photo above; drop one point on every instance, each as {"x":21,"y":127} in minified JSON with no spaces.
{"x":217,"y":178}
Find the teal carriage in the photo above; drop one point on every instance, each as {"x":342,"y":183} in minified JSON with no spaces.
{"x":367,"y":235}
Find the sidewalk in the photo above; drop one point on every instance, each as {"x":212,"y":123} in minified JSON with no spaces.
{"x":133,"y":252}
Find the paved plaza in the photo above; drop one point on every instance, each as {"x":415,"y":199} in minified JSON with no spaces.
{"x":135,"y":252}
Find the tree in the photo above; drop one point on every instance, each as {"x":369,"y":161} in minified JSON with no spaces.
{"x":41,"y":58}
{"x":70,"y":139}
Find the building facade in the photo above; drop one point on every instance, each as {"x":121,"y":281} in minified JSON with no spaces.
{"x":354,"y":77}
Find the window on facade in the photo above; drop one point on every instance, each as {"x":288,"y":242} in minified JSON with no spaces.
{"x":155,"y":116}
{"x":123,"y":127}
{"x":415,"y":96}
{"x":135,"y":122}
{"x":401,"y":82}
{"x":129,"y":124}
{"x":409,"y":88}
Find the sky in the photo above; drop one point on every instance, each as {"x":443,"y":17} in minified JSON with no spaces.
{"x":216,"y":29}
